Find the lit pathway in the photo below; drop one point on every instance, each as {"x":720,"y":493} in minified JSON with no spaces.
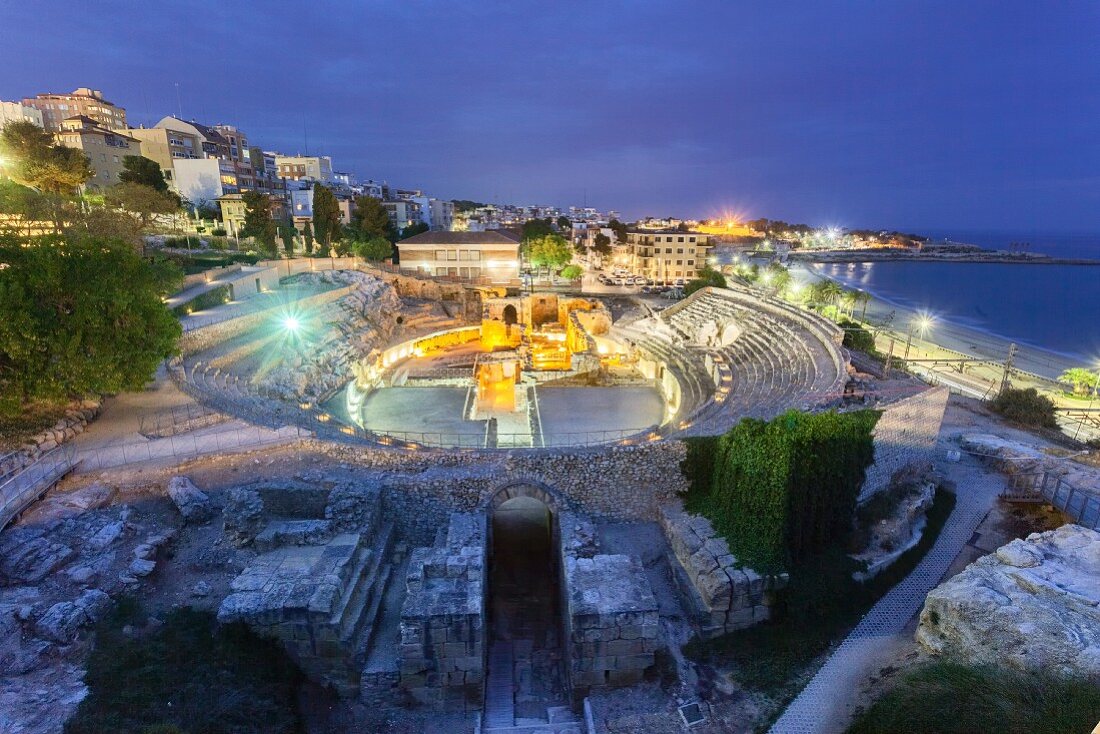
{"x":824,"y":706}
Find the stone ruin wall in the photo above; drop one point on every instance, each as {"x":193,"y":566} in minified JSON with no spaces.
{"x":442,"y":645}
{"x":423,"y":488}
{"x":609,"y":613}
{"x":726,"y":596}
{"x":905,"y":435}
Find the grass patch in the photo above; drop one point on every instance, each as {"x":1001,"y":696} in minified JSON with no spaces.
{"x":188,"y":677}
{"x":21,"y":422}
{"x":952,"y":698}
{"x":819,"y":606}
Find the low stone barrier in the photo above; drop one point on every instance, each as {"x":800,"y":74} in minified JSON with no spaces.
{"x":727,"y":596}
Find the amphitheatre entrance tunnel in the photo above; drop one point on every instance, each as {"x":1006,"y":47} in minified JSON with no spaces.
{"x":525,"y":661}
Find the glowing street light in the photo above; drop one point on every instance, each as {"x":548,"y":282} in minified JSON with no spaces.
{"x":922,"y":323}
{"x":291,"y":324}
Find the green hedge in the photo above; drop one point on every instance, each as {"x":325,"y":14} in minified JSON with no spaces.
{"x":783,"y":489}
{"x":208,"y":299}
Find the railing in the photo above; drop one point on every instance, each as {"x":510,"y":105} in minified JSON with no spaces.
{"x":1082,"y":507}
{"x":23,"y":487}
{"x":181,"y":419}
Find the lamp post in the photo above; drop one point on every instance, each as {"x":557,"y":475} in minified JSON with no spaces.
{"x":923,"y":323}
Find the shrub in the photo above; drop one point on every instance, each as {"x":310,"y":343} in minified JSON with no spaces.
{"x":953,"y":698}
{"x":186,"y":676}
{"x":784,"y":489}
{"x":218,"y":232}
{"x":857,"y":338}
{"x":1025,"y":406}
{"x":708,"y":278}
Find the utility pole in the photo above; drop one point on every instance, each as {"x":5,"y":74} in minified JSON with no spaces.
{"x":889,"y":359}
{"x":1008,"y":368}
{"x":179,"y":103}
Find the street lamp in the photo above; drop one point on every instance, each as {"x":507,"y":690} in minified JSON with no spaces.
{"x":923,"y":323}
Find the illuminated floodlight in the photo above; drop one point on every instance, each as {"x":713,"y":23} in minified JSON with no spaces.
{"x":925,"y":322}
{"x":291,"y":323}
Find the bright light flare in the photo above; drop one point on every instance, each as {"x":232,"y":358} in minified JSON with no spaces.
{"x":291,"y":323}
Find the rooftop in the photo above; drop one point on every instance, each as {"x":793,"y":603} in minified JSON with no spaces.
{"x":489,"y":237}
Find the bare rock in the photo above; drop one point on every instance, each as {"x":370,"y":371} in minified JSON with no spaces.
{"x":201,"y":589}
{"x":32,"y":560}
{"x":192,"y":502}
{"x":63,"y":620}
{"x":244,"y":515}
{"x":1033,"y":604}
{"x":141,"y":567}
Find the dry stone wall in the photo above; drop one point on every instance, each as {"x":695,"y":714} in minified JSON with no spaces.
{"x":905,"y":435}
{"x":422,"y":488}
{"x":442,"y":650}
{"x":727,"y":595}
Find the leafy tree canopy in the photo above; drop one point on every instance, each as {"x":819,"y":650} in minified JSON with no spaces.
{"x":138,"y":169}
{"x":80,"y":316}
{"x":143,"y":201}
{"x":326,"y":217}
{"x":572,"y":272}
{"x":370,"y":219}
{"x":465,"y":205}
{"x":550,"y":251}
{"x":536,"y":228}
{"x":602,"y":244}
{"x":32,"y":159}
{"x":564,"y":223}
{"x":258,"y":222}
{"x":414,"y":229}
{"x":375,"y":249}
{"x":708,"y":277}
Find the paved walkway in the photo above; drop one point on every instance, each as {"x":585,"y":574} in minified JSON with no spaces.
{"x":825,"y":705}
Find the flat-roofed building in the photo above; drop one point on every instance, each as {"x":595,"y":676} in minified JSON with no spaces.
{"x":16,"y":112}
{"x":106,"y":149}
{"x":667,"y":255}
{"x":56,"y":108}
{"x":312,"y":167}
{"x":488,"y":257}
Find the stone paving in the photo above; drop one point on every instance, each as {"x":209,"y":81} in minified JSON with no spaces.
{"x":825,"y":704}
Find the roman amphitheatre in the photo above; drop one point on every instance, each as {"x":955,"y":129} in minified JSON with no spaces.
{"x":462,"y":510}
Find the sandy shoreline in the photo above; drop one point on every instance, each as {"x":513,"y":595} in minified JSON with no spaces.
{"x":954,"y":336}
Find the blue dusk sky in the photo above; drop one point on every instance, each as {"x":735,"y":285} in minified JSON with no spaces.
{"x":895,"y":114}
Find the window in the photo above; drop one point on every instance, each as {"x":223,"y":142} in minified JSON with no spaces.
{"x":440,"y":255}
{"x":475,"y":254}
{"x":679,"y":239}
{"x":452,"y":255}
{"x":668,"y":250}
{"x":679,"y":262}
{"x":691,"y":262}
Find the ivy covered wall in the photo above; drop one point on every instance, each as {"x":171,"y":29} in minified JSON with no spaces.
{"x":781,"y":490}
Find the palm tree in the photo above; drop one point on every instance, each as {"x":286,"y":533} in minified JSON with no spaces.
{"x":864,"y":298}
{"x":1080,"y":378}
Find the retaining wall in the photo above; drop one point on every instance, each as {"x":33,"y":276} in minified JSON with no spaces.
{"x":905,"y":435}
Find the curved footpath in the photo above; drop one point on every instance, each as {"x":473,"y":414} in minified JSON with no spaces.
{"x":825,"y":705}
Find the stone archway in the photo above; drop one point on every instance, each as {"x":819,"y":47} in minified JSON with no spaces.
{"x":510,"y":316}
{"x":526,"y":673}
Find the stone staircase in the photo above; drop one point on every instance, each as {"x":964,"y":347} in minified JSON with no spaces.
{"x":500,"y":706}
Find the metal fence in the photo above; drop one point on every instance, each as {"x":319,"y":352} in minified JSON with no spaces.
{"x":24,"y":486}
{"x":1082,"y":507}
{"x":187,"y":446}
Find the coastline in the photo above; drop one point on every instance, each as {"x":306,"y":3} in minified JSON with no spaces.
{"x":965,"y":340}
{"x":990,"y":258}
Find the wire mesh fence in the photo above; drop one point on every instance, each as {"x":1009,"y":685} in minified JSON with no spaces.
{"x":25,"y":485}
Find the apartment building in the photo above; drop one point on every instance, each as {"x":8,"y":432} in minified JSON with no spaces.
{"x":403,"y":212}
{"x":82,"y":102}
{"x":488,"y":257}
{"x":106,"y":149}
{"x":16,"y":112}
{"x":299,"y":167}
{"x":667,"y":255}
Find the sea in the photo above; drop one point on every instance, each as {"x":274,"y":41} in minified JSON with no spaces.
{"x":1054,"y":307}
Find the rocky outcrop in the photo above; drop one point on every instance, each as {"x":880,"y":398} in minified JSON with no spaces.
{"x":63,"y":620}
{"x":1014,"y":457}
{"x":191,"y":501}
{"x":1033,"y":604}
{"x":244,"y":515}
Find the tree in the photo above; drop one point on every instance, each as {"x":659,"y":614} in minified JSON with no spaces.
{"x":572,"y":272}
{"x":138,"y":169}
{"x":370,"y":219}
{"x":549,"y":251}
{"x":414,"y":229}
{"x":619,"y":229}
{"x":144,"y":202}
{"x":32,"y":159}
{"x":602,"y":244}
{"x":564,"y":223}
{"x":80,"y":316}
{"x":1082,"y":379}
{"x":326,"y":218}
{"x":307,"y":238}
{"x":536,"y":228}
{"x":708,"y":278}
{"x":258,"y":222}
{"x":375,"y":249}
{"x":287,"y":232}
{"x":1027,"y":407}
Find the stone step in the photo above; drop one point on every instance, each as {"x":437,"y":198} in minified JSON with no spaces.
{"x":369,"y":623}
{"x":500,"y":708}
{"x":349,"y":614}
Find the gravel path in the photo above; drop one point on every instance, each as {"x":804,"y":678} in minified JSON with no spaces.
{"x":825,"y":705}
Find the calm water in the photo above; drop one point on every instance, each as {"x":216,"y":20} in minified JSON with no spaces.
{"x":1056,"y":307}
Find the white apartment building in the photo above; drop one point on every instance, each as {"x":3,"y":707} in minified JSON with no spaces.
{"x":16,"y":112}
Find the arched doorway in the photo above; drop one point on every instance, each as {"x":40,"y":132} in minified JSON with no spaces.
{"x":525,"y":667}
{"x":510,"y":316}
